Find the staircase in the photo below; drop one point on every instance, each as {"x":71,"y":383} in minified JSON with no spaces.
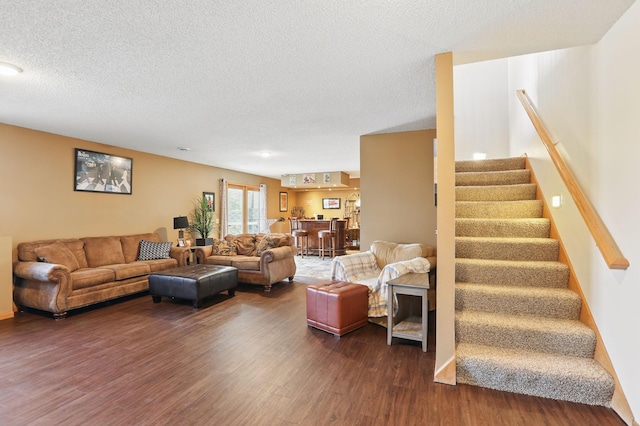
{"x":517,"y":324}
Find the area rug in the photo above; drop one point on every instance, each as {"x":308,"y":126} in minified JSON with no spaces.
{"x":312,"y":267}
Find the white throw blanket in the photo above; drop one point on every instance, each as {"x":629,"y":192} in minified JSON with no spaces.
{"x":362,"y":268}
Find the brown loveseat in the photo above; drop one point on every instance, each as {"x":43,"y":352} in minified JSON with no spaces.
{"x":59,"y":275}
{"x":261,"y":259}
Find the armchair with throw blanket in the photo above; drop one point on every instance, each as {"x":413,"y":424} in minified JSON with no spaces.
{"x":383,"y":262}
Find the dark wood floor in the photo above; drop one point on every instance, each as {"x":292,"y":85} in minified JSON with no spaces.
{"x":245,"y":360}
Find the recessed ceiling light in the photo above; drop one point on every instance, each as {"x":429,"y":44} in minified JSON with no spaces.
{"x":9,"y":70}
{"x":265,"y":154}
{"x":181,"y":148}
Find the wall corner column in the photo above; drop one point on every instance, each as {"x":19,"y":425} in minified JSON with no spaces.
{"x":445,"y":365}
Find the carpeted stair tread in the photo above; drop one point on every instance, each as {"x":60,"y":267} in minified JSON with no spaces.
{"x":509,"y":177}
{"x":512,"y":272}
{"x":580,"y":380}
{"x":526,"y":191}
{"x":518,"y":227}
{"x":507,"y":248}
{"x":514,"y":300}
{"x":493,"y":164}
{"x":549,"y":335}
{"x":499,"y":209}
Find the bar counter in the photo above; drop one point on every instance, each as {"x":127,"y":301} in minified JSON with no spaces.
{"x":313,"y":226}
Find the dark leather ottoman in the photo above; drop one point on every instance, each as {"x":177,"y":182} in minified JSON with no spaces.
{"x":193,"y":282}
{"x":337,"y":307}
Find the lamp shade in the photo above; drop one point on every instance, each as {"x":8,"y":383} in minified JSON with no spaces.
{"x":180,"y":222}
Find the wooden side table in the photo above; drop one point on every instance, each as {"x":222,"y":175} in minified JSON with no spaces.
{"x":412,"y":327}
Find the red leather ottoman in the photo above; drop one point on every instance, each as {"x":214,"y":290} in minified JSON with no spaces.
{"x":337,"y":307}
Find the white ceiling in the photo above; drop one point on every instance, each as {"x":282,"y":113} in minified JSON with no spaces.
{"x":301,"y":79}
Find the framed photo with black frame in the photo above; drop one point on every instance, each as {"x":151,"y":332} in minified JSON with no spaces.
{"x":211,"y":200}
{"x":101,"y":172}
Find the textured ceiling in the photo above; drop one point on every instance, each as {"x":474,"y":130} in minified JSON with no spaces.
{"x":300,"y":79}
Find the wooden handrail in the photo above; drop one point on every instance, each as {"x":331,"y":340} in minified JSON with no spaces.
{"x":605,"y":242}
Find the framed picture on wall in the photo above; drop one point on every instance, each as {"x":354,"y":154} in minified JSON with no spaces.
{"x":211,"y":200}
{"x":330,"y":203}
{"x":100,"y":172}
{"x":284,"y":201}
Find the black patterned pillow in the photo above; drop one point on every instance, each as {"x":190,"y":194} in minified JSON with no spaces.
{"x":150,"y":250}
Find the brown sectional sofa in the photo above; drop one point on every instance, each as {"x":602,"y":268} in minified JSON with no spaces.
{"x":59,"y":275}
{"x":261,"y":259}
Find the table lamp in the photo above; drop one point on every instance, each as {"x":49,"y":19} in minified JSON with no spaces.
{"x":180,"y":222}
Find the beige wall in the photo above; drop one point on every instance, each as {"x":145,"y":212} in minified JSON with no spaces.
{"x":396,"y":178}
{"x":6,"y":284}
{"x":37,"y":199}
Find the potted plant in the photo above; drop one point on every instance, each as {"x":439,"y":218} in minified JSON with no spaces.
{"x":201,"y":221}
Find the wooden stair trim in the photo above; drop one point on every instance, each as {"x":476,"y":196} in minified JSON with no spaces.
{"x":604,"y":240}
{"x":619,"y":401}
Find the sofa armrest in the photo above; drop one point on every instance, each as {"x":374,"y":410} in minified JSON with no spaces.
{"x":276,"y":253}
{"x":40,"y":285}
{"x":181,"y":254}
{"x":202,"y":252}
{"x":41,"y":271}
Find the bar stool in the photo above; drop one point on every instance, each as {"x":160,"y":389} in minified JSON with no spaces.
{"x":301,"y":234}
{"x":331,"y":233}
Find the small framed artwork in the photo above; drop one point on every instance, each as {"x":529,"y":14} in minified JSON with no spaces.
{"x":284,"y":201}
{"x":211,"y":200}
{"x":292,"y":180}
{"x":326,"y":178}
{"x":309,"y":178}
{"x":100,"y":172}
{"x":330,"y":203}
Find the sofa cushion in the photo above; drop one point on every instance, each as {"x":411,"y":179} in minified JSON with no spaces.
{"x":219,"y":260}
{"x":245,"y":244}
{"x":159,"y":264}
{"x":131,"y":245}
{"x":103,"y":251}
{"x":150,"y":250}
{"x":27,"y":253}
{"x":247,"y":263}
{"x":125,"y":271}
{"x":88,"y":277}
{"x":223,"y":248}
{"x":58,"y":253}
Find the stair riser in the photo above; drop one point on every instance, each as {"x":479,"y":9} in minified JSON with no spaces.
{"x":516,"y":177}
{"x":499,"y":209}
{"x":564,"y":388}
{"x":496,"y":193}
{"x":538,"y":251}
{"x":490,"y":165}
{"x":545,"y":306}
{"x":537,"y":228}
{"x":527,"y":275}
{"x":548,"y":341}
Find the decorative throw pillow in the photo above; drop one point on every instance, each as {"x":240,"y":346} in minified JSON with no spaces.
{"x":265,"y":244}
{"x":58,"y":253}
{"x":245,"y":244}
{"x":150,"y":250}
{"x":223,"y":248}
